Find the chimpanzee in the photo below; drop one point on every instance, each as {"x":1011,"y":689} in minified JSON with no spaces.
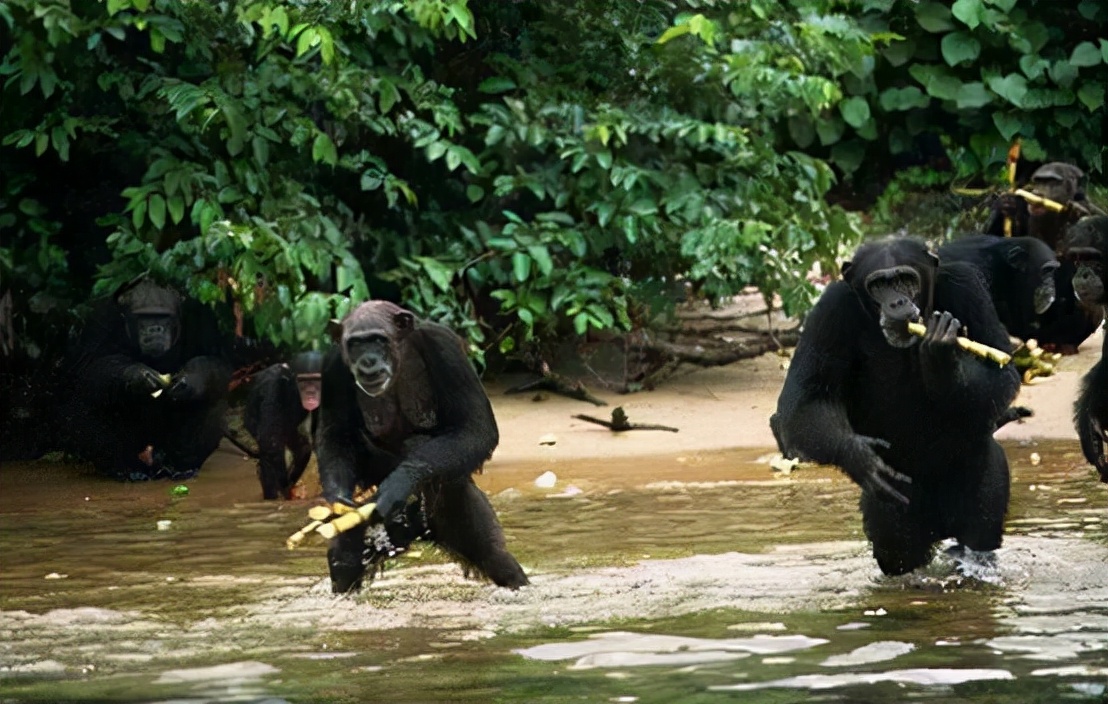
{"x":1056,"y":181}
{"x":281,"y":398}
{"x":909,"y":419}
{"x":1066,"y":324}
{"x":148,"y":384}
{"x":1019,"y":274}
{"x":403,"y":410}
{"x":1087,"y":247}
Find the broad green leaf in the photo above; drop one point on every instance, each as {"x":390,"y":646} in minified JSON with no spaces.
{"x":474,"y":193}
{"x":521,"y":266}
{"x":541,"y":256}
{"x":830,"y":130}
{"x":1004,"y":5}
{"x":1085,"y":54}
{"x":968,"y":11}
{"x":496,"y":84}
{"x":903,"y":99}
{"x":934,"y":17}
{"x":973,"y":95}
{"x":176,"y":205}
{"x":936,"y":81}
{"x":1012,"y":88}
{"x":1007,"y":124}
{"x":959,"y":47}
{"x":672,"y":33}
{"x":1092,"y":96}
{"x":855,"y":111}
{"x":323,"y":150}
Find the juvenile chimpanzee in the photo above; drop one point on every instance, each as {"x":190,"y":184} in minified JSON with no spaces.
{"x":403,"y":410}
{"x":148,"y":386}
{"x":909,"y":419}
{"x":281,"y":398}
{"x":1087,"y":247}
{"x":1019,"y":274}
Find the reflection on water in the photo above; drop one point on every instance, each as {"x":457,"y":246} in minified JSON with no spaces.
{"x":668,"y":579}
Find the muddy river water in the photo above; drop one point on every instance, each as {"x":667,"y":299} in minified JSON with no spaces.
{"x":703,"y":578}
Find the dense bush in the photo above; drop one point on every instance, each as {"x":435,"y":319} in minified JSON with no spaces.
{"x":521,"y":170}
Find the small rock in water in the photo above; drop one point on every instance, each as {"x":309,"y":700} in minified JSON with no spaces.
{"x":164,"y":524}
{"x":875,"y":612}
{"x":1036,"y":458}
{"x":548,"y":439}
{"x":55,"y":575}
{"x":546,"y":480}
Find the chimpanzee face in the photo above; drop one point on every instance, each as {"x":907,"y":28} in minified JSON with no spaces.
{"x":308,"y":368}
{"x":155,"y":333}
{"x":1045,"y":291}
{"x":1087,"y":247}
{"x":370,"y":339}
{"x":894,"y":277}
{"x":152,"y":316}
{"x":1056,"y":181}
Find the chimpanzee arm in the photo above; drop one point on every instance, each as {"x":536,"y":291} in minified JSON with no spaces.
{"x":811,"y":410}
{"x":465,"y":433}
{"x":976,"y":387}
{"x":337,"y":433}
{"x":1091,"y":414}
{"x":201,"y":379}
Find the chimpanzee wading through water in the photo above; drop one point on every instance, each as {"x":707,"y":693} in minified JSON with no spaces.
{"x":403,"y":410}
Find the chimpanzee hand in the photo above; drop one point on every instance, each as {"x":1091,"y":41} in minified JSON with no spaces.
{"x":867,"y":468}
{"x":392,"y":494}
{"x":140,"y":379}
{"x":186,"y":387}
{"x":942,"y":333}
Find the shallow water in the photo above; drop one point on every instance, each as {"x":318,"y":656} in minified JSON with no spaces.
{"x":697,"y":578}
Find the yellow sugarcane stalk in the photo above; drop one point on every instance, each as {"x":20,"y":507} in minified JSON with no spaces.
{"x":971,"y":346}
{"x":1013,"y":162}
{"x":1039,"y":200}
{"x":346,"y":521}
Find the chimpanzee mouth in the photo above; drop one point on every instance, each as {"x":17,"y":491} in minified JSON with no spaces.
{"x":896,"y":332}
{"x":373,"y":385}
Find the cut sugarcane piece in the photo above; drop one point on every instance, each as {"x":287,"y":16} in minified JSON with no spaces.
{"x":346,"y":521}
{"x":971,"y":346}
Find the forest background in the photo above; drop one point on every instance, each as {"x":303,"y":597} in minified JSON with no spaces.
{"x":525,"y":171}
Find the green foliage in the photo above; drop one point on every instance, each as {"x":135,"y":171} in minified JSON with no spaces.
{"x":552,"y":165}
{"x":296,"y":157}
{"x":983,"y":73}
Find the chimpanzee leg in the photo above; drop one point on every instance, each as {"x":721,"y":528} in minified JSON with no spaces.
{"x":979,"y":511}
{"x":271,"y":466}
{"x":301,"y":452}
{"x":900,"y":541}
{"x":344,"y":559}
{"x":192,"y":435}
{"x":111,"y":441}
{"x":463,"y":522}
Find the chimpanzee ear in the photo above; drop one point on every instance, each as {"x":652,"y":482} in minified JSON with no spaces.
{"x":334,"y":328}
{"x":845,"y":269}
{"x":403,"y":320}
{"x":1017,"y":258}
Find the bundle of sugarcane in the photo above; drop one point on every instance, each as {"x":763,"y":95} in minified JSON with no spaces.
{"x":329,"y":521}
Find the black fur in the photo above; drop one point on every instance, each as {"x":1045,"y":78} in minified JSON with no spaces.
{"x":1013,"y":268}
{"x":274,"y":416}
{"x":111,"y":416}
{"x":429,"y":427}
{"x":926,"y":412}
{"x":1086,"y":248}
